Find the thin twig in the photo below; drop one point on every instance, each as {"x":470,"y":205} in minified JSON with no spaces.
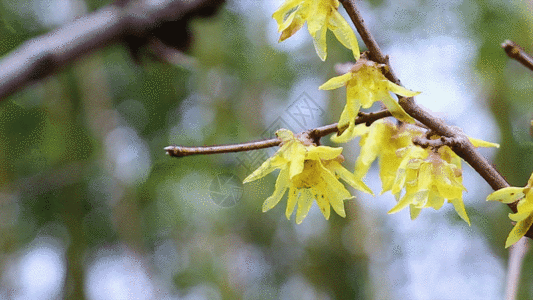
{"x":464,"y":147}
{"x":179,"y":151}
{"x":314,"y":134}
{"x":517,"y":253}
{"x":514,"y":50}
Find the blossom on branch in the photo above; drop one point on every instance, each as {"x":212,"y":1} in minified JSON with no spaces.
{"x":311,"y":173}
{"x":524,"y":215}
{"x":418,"y":177}
{"x":320,"y":16}
{"x":365,"y":84}
{"x":381,"y":140}
{"x":428,"y":177}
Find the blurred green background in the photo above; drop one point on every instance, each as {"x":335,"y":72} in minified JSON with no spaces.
{"x":92,"y":208}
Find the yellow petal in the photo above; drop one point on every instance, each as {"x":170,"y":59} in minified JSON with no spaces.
{"x":414,"y":211}
{"x":435,"y":200}
{"x":290,"y":26}
{"x":337,"y":193}
{"x":518,"y":231}
{"x":389,"y":161}
{"x":349,"y":113}
{"x":387,"y":177}
{"x":336,"y":82}
{"x":507,"y":195}
{"x":350,"y":178}
{"x":399,"y":181}
{"x":323,"y":204}
{"x":280,"y":15}
{"x":348,"y":117}
{"x":317,"y":17}
{"x":291,"y":201}
{"x":305,"y":200}
{"x":282,"y":183}
{"x":411,"y":157}
{"x":338,"y":205}
{"x":323,"y":152}
{"x":406,"y":200}
{"x":371,"y":145}
{"x":274,"y":162}
{"x":425,"y":176}
{"x":447,"y":188}
{"x":400,"y":90}
{"x":297,"y":159}
{"x":460,"y":209}
{"x":319,"y":40}
{"x":335,"y":190}
{"x":396,"y":110}
{"x":344,"y":33}
{"x":482,"y":143}
{"x":519,"y":216}
{"x":525,"y":208}
{"x":336,"y":199}
{"x":420,"y":197}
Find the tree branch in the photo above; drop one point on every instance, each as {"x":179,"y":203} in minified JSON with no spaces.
{"x":313,"y":134}
{"x":514,"y":50}
{"x":45,"y":55}
{"x":463,"y":147}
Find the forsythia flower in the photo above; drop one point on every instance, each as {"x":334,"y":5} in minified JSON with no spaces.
{"x":320,"y":15}
{"x":524,"y":216}
{"x":429,"y":177}
{"x":310,"y":173}
{"x":381,"y":140}
{"x":365,"y":84}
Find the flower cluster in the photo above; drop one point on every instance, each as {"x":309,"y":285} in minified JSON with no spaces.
{"x":524,"y":215}
{"x":429,"y":176}
{"x":381,"y":140}
{"x":311,"y":173}
{"x":419,"y":175}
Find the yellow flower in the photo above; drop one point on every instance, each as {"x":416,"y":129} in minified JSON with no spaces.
{"x":381,"y":140}
{"x":365,"y":84}
{"x":320,"y":15}
{"x":429,"y":177}
{"x":310,"y":173}
{"x":524,"y":215}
